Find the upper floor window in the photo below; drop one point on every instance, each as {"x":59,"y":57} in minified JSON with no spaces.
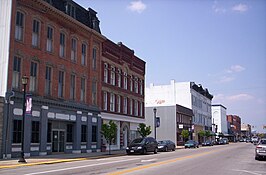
{"x":105,"y":73}
{"x":94,"y":58}
{"x":136,"y":108}
{"x":125,"y":105}
{"x":141,"y":87}
{"x":112,"y":102}
{"x":125,"y":80}
{"x":112,"y":76}
{"x":61,"y":79}
{"x":48,"y":80}
{"x":136,"y":85}
{"x":35,"y":33}
{"x":94,"y":92}
{"x":131,"y":106}
{"x":104,"y":100}
{"x":119,"y":78}
{"x":19,"y":26}
{"x":131,"y":82}
{"x":141,"y":109}
{"x":70,"y":10}
{"x":16,"y":72}
{"x":33,"y":77}
{"x":83,"y":90}
{"x":62,"y":45}
{"x":118,"y":101}
{"x":72,"y":87}
{"x":49,"y":41}
{"x":73,"y":50}
{"x":83,"y":54}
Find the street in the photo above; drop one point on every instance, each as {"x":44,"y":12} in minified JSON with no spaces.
{"x":232,"y":159}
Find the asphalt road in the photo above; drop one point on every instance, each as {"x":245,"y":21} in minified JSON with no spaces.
{"x":232,"y":159}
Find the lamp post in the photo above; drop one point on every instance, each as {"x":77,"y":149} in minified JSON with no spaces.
{"x":154,"y":111}
{"x":24,"y":81}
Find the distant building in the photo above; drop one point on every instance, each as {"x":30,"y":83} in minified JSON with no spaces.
{"x":219,"y":118}
{"x":245,"y":130}
{"x":187,"y":94}
{"x":235,"y":125}
{"x":173,"y":119}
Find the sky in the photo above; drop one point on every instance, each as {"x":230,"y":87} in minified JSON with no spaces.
{"x":219,"y":44}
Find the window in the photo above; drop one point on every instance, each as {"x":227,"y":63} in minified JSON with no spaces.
{"x":131,"y":83}
{"x":35,"y":33}
{"x":118,"y":100}
{"x":141,"y":87}
{"x":125,"y":80}
{"x":62,"y":45}
{"x":33,"y":77}
{"x":94,"y":58}
{"x":83,"y":133}
{"x":70,"y":10}
{"x":49,"y":133}
{"x":94,"y":134}
{"x":19,"y":26}
{"x":16,"y":72}
{"x":104,"y":100}
{"x":35,"y":132}
{"x":94,"y":92}
{"x":82,"y":90}
{"x":131,"y":107}
{"x":136,"y":108}
{"x":72,"y":87}
{"x":105,"y":73}
{"x":49,"y":42}
{"x":112,"y":76}
{"x":119,"y":78}
{"x":48,"y":80}
{"x":112,"y":102}
{"x":125,"y":105}
{"x":69,"y":133}
{"x":136,"y":85}
{"x":83,"y":54}
{"x":141,"y":109}
{"x":17,"y":131}
{"x":61,"y":84}
{"x":73,"y":50}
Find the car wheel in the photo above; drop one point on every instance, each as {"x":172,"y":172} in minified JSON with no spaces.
{"x":166,"y":149}
{"x":156,"y":150}
{"x":144,"y":151}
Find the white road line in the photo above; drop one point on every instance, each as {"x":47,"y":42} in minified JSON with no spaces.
{"x":77,"y":167}
{"x":149,"y":160}
{"x":250,"y":172}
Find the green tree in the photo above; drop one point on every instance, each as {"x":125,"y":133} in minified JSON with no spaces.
{"x":202,"y":134}
{"x":144,"y":130}
{"x":185,"y":134}
{"x":208,"y":134}
{"x":109,"y":132}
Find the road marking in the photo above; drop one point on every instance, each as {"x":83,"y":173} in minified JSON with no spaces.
{"x":250,"y":172}
{"x":77,"y":167}
{"x":149,"y":160}
{"x":161,"y":163}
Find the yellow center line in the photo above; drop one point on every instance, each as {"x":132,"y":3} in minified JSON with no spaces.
{"x":161,"y":163}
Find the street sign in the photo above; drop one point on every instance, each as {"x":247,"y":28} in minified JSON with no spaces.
{"x":28,"y":104}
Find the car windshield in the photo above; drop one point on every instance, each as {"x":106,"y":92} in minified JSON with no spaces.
{"x":190,"y":141}
{"x":263,"y":142}
{"x":162,"y":142}
{"x":136,"y":141}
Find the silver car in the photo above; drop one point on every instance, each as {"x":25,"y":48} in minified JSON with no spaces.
{"x":260,"y":151}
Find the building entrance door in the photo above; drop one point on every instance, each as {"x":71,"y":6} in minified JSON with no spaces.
{"x":58,"y":141}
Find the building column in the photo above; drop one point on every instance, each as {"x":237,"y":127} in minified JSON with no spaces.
{"x":77,"y":134}
{"x":89,"y":125}
{"x":99,"y":126}
{"x":27,"y":135}
{"x":43,"y":133}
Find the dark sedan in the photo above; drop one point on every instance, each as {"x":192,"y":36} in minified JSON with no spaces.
{"x":207,"y":143}
{"x":166,"y":145}
{"x":191,"y":144}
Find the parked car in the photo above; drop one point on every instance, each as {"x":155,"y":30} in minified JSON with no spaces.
{"x":142,"y":146}
{"x":260,"y":150}
{"x":207,"y":143}
{"x":166,"y":145}
{"x":254,"y":139}
{"x":191,"y":144}
{"x":248,"y":140}
{"x":226,"y":140}
{"x":221,"y":142}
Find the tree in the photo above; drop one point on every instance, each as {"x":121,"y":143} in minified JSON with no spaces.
{"x":109,"y":132}
{"x":208,"y":134}
{"x":144,"y":130}
{"x":202,"y":134}
{"x":185,"y":134}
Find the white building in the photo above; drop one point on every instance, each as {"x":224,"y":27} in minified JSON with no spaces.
{"x":187,"y":94}
{"x":219,"y":118}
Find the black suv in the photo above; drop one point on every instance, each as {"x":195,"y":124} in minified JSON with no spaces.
{"x":143,"y":145}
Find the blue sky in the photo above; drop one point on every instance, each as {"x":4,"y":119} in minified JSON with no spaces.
{"x":219,"y":44}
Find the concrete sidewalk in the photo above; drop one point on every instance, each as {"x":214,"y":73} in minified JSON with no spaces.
{"x":58,"y":158}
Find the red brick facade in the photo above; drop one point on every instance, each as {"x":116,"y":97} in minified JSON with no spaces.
{"x":235,"y":124}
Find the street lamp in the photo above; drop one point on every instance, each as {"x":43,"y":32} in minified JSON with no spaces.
{"x":154,"y":111}
{"x":24,"y":81}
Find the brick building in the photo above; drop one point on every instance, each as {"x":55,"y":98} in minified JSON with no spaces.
{"x":235,"y":125}
{"x":122,"y":91}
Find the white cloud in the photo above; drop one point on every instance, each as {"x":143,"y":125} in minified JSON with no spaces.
{"x":217,"y":8}
{"x":235,"y":68}
{"x":240,"y":97}
{"x":137,"y":6}
{"x":226,"y":79}
{"x":240,"y":8}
